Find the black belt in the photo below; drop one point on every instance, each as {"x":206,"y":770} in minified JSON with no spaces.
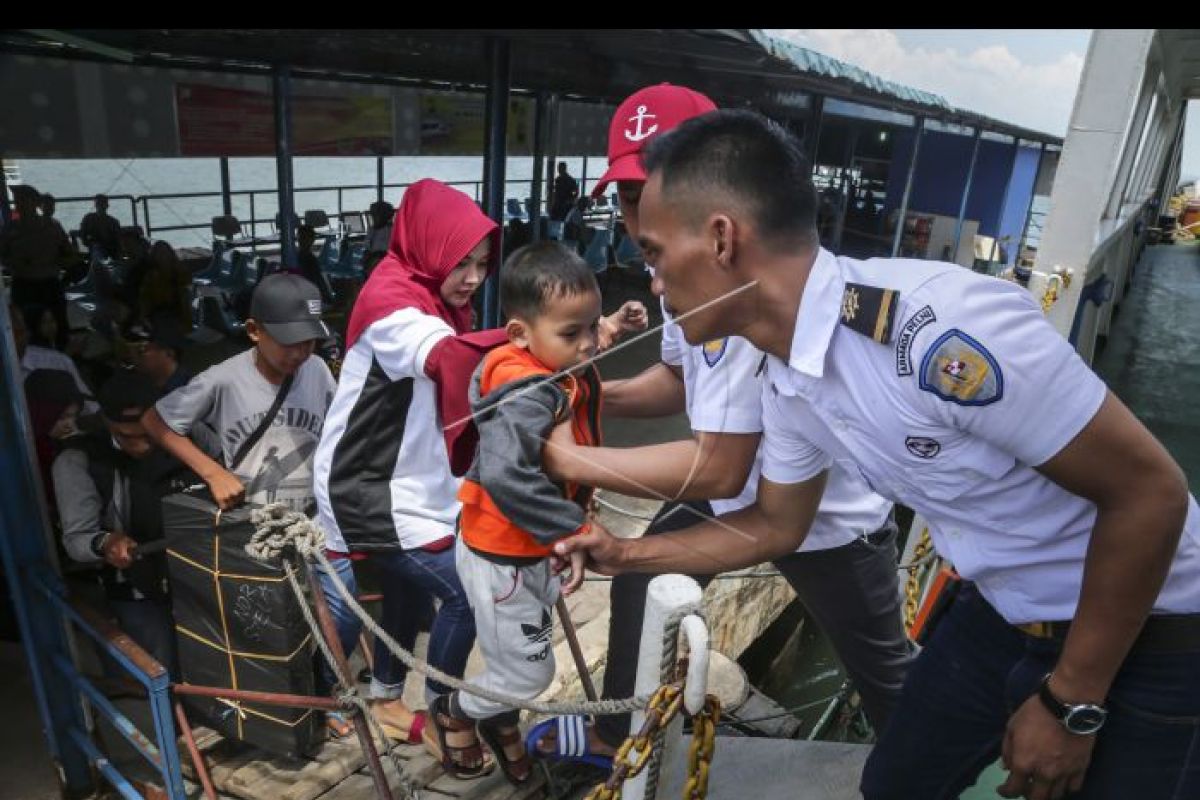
{"x":1162,"y":633}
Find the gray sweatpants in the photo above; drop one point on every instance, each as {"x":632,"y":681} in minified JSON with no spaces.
{"x":513,"y":626}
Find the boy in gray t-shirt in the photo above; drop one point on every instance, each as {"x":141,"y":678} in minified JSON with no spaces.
{"x":234,"y":396}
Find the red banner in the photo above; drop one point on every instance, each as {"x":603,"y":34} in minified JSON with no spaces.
{"x":219,"y":121}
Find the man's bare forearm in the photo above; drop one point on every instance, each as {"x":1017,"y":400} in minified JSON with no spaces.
{"x":655,"y":392}
{"x":1141,"y":502}
{"x":772,"y":527}
{"x":1122,"y":577}
{"x":729,"y":542}
{"x":708,"y":467}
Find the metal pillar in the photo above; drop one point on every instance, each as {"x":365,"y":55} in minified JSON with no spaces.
{"x":283,"y":165}
{"x":378,"y":177}
{"x":667,"y":597}
{"x":494,"y":155}
{"x":1012,"y":165}
{"x":1137,"y":131}
{"x":226,"y":198}
{"x":583,"y":192}
{"x":962,"y":206}
{"x":1150,"y":151}
{"x":554,"y":126}
{"x":815,"y":120}
{"x":25,"y":554}
{"x":839,"y":225}
{"x":1171,"y":155}
{"x":5,"y":211}
{"x":918,"y":134}
{"x":535,"y":184}
{"x":1174,"y":165}
{"x":1029,"y":211}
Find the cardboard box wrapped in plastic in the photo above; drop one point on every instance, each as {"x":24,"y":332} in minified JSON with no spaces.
{"x":238,"y":625}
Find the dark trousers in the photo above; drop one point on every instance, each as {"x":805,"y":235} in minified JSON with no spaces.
{"x":46,"y":292}
{"x":411,"y":579}
{"x":851,"y":591}
{"x":977,"y":670}
{"x":150,"y":624}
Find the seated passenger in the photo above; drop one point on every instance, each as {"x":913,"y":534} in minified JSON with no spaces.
{"x":109,"y":487}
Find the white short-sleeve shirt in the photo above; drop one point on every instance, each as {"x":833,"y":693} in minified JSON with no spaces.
{"x":973,"y":390}
{"x":723,"y":380}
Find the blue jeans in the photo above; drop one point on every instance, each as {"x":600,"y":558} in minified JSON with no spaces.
{"x":344,"y":619}
{"x":411,"y":579}
{"x":977,"y":669}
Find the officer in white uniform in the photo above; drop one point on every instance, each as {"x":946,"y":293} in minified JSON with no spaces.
{"x":845,"y":573}
{"x":1074,"y":646}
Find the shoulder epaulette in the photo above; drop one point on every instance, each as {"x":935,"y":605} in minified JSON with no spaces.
{"x":870,"y":311}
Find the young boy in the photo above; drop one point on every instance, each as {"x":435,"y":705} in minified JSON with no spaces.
{"x":232,"y":398}
{"x":512,"y":513}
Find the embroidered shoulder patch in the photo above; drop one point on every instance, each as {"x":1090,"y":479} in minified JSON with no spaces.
{"x":961,"y":370}
{"x":869,"y":310}
{"x":908,"y":333}
{"x":713,"y":350}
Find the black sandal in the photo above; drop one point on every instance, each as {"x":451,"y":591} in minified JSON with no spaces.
{"x":498,"y":737}
{"x":455,"y":760}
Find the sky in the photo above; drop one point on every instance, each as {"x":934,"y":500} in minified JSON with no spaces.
{"x":1026,"y":77}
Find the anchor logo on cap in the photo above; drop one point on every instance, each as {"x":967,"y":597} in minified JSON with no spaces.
{"x":638,"y":134}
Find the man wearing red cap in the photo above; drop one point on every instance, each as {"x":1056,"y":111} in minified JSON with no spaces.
{"x":845,"y":573}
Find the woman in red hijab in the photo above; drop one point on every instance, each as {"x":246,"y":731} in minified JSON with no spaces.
{"x":383,"y":470}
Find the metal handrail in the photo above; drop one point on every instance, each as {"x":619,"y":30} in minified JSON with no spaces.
{"x":253,"y":221}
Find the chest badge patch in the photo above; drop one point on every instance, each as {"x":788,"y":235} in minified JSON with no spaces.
{"x":714,"y":350}
{"x":922,"y":446}
{"x":960,"y":370}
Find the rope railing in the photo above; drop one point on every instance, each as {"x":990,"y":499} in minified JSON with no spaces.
{"x":277,"y":529}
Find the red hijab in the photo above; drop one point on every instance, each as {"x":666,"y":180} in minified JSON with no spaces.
{"x":436,"y":227}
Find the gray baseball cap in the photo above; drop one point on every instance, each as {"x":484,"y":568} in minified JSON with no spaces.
{"x":288,"y":307}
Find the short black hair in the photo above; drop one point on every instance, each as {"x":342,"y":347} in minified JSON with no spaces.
{"x":23,"y":192}
{"x":739,"y":152}
{"x":125,"y":390}
{"x":536,"y":273}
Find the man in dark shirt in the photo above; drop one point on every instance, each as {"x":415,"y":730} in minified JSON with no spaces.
{"x":309,"y":264}
{"x":100,"y":230}
{"x":34,"y":249}
{"x":566,"y":189}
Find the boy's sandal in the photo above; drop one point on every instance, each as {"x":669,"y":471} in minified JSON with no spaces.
{"x":461,"y":761}
{"x":503,"y":740}
{"x":570,"y":741}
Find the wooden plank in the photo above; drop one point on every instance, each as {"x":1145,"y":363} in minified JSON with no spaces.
{"x":298,"y":779}
{"x":421,"y":770}
{"x":224,"y":760}
{"x":355,"y":787}
{"x":495,"y":787}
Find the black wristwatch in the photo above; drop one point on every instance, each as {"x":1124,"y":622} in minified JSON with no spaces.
{"x":98,"y":543}
{"x":1082,"y":719}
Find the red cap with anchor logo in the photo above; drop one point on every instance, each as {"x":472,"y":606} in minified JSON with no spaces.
{"x":644,"y":115}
